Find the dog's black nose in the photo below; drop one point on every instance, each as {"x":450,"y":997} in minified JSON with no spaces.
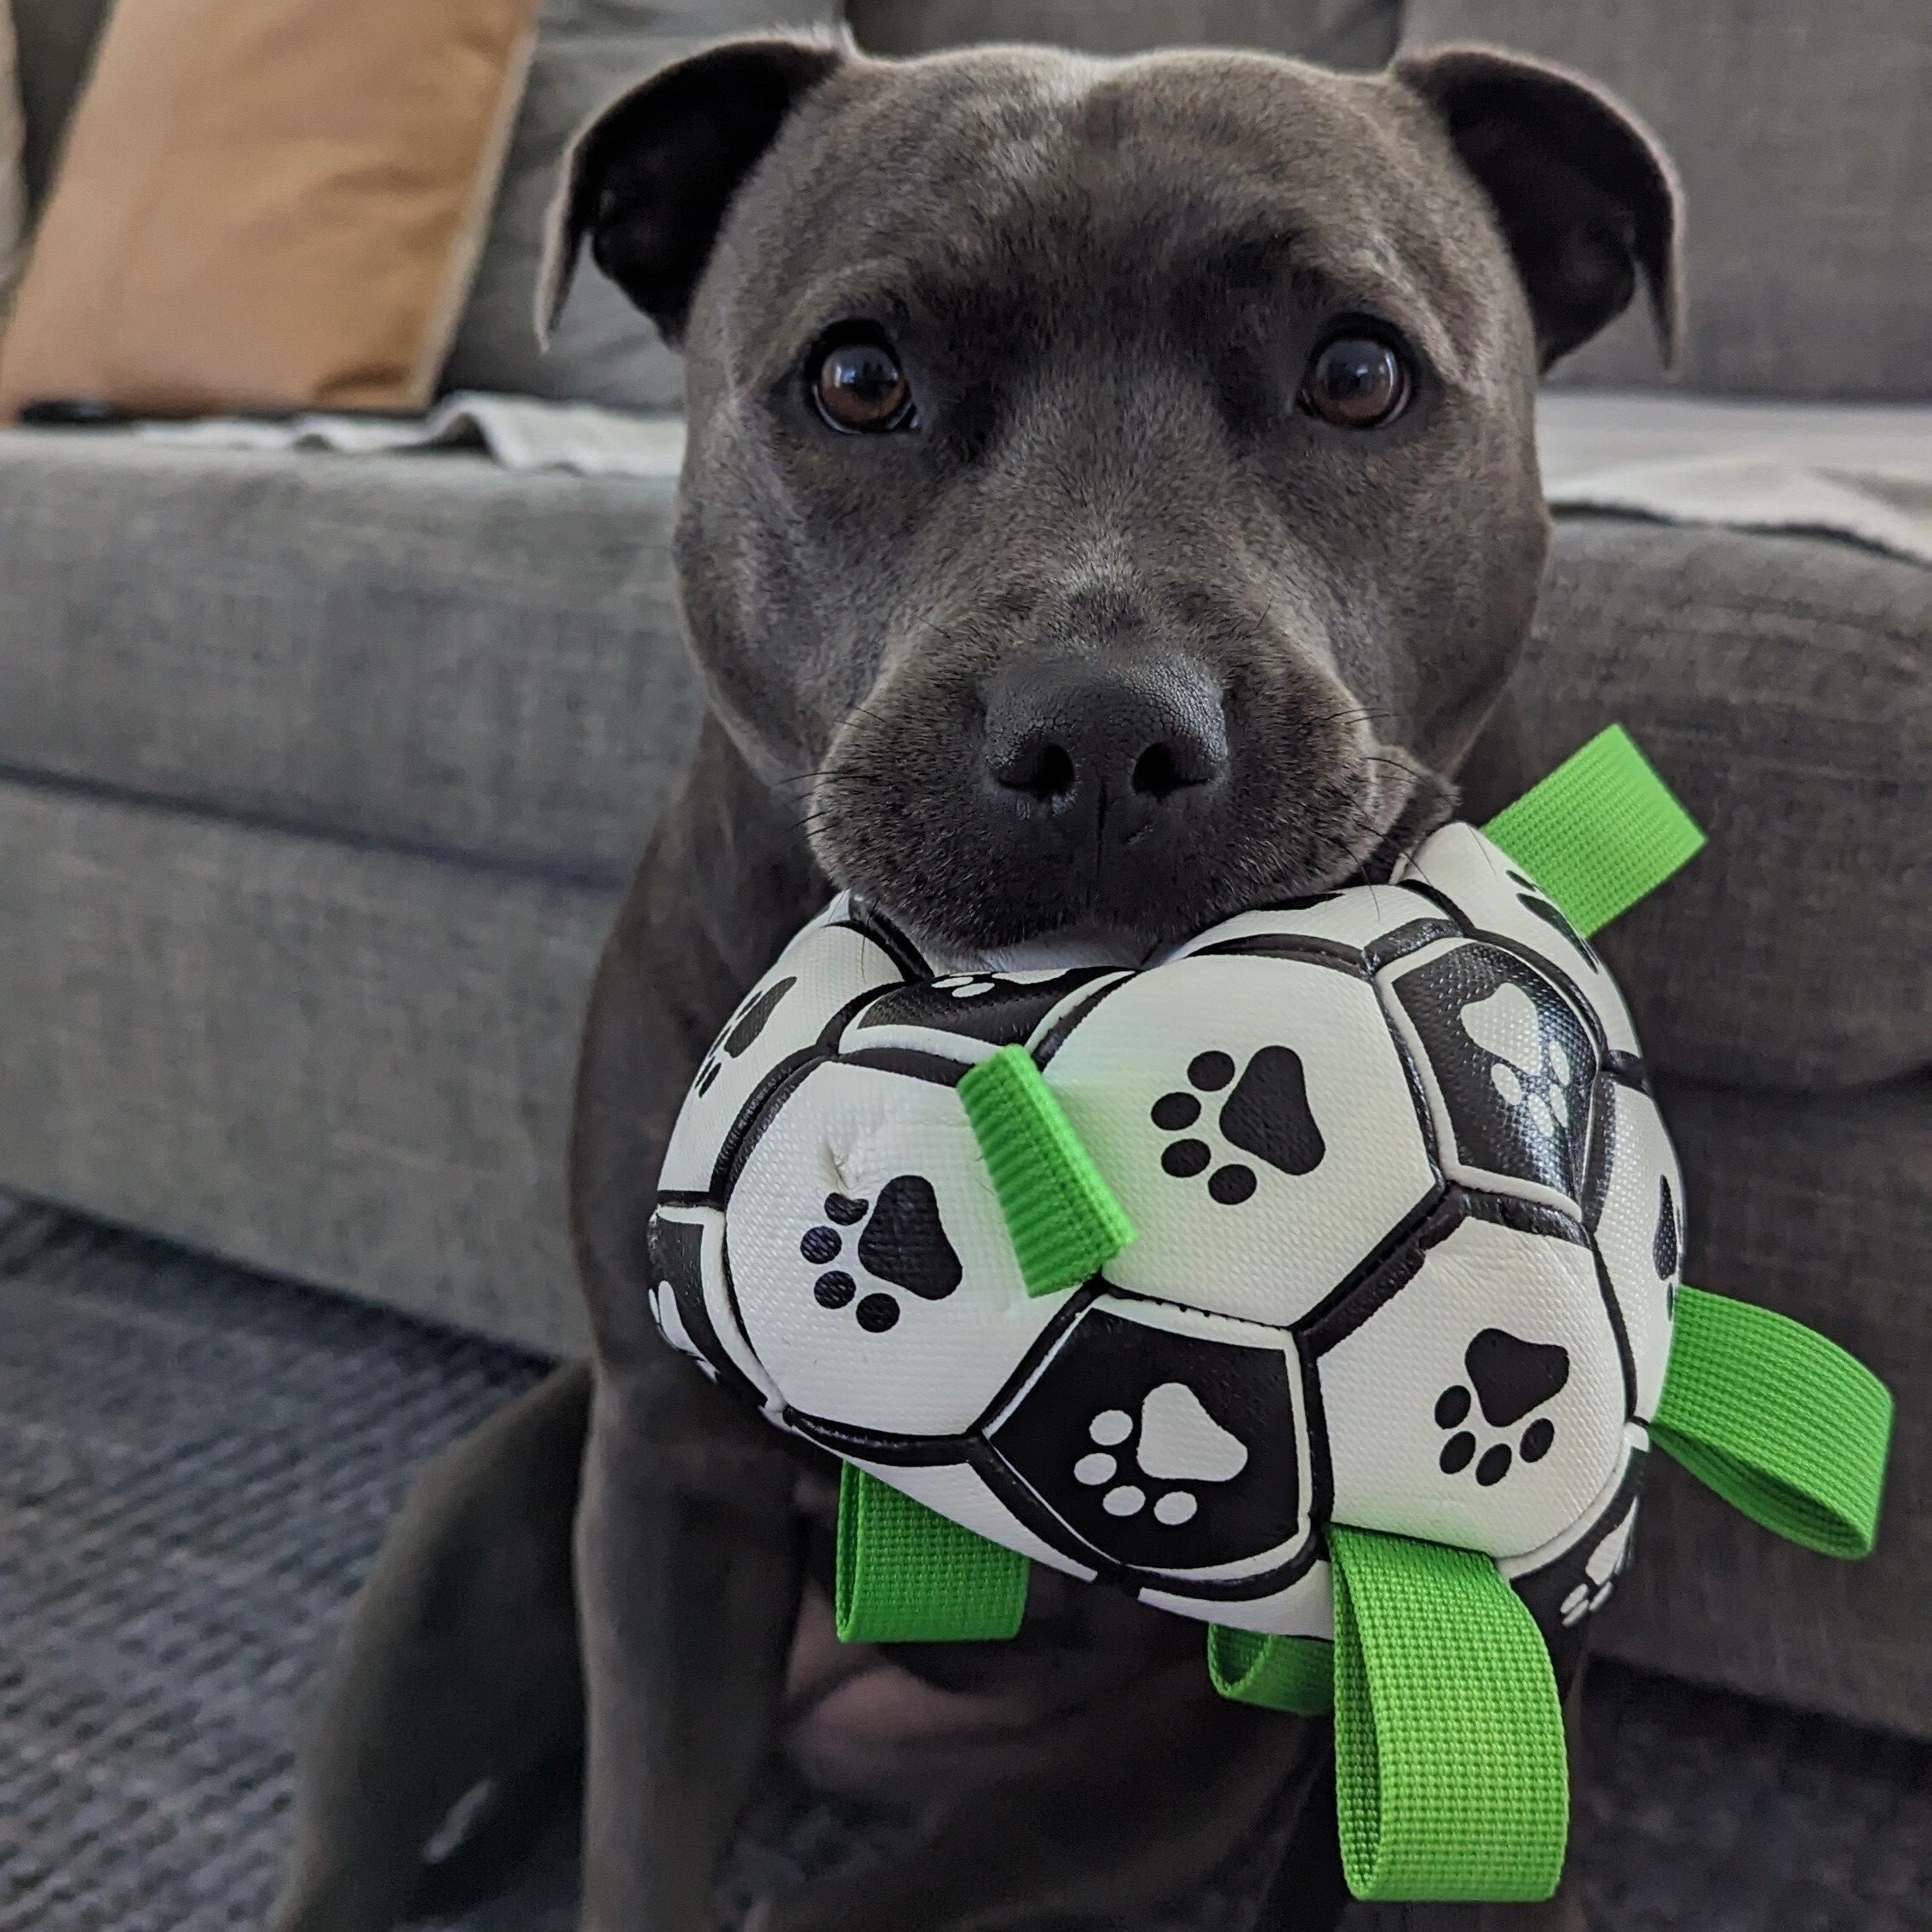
{"x":1104,"y":744}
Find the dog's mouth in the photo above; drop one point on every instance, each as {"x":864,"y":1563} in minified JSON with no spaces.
{"x":993,"y":895}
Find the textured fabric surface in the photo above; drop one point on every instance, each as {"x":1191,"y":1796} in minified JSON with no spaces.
{"x":57,"y":40}
{"x":1279,"y":1673}
{"x":1783,"y":687}
{"x":346,"y":1064}
{"x":602,"y":349}
{"x":907,"y":1574}
{"x":196,"y":1466}
{"x":268,"y":206}
{"x":1802,"y":137}
{"x":421,"y":650}
{"x":13,"y":182}
{"x":1820,"y":1208}
{"x":1451,"y":1769}
{"x":1343,"y":33}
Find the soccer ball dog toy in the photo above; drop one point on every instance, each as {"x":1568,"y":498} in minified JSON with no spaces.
{"x":1317,"y":1280}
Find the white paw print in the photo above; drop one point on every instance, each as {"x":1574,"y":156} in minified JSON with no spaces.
{"x":1179,"y":1442}
{"x":966,"y":986}
{"x":977,"y":985}
{"x":1528,"y":1070}
{"x":1605,"y":1564}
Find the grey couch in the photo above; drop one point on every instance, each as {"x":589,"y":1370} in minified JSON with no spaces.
{"x":318,"y":777}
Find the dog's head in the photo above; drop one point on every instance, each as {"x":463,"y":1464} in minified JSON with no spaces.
{"x":1111,"y":496}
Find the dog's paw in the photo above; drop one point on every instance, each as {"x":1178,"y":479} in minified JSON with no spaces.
{"x":762,"y":1916}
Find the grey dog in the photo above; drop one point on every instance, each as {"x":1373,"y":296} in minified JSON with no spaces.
{"x":1110,"y":501}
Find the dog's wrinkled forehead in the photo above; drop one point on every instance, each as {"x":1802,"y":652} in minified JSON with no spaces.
{"x":1045,"y":196}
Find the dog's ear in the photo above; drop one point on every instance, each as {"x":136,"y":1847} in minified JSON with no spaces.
{"x":649,"y":180}
{"x":1586,"y":198}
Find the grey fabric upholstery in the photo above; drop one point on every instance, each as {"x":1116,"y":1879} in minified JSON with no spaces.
{"x":426,"y":651}
{"x":1784,"y":686}
{"x":56,"y":51}
{"x":1821,"y":1207}
{"x":602,"y":350}
{"x":1343,"y":33}
{"x":1802,"y":136}
{"x":349,"y":1066}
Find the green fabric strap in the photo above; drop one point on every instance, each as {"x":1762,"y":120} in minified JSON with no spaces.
{"x":1783,"y":1424}
{"x":906,"y":1574}
{"x":1601,"y":832}
{"x":1062,"y":1217}
{"x":1282,"y":1673}
{"x":1451,"y":1772}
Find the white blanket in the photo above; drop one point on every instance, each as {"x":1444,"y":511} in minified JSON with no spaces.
{"x":520,"y":432}
{"x":1821,"y":469}
{"x":1861,"y":474}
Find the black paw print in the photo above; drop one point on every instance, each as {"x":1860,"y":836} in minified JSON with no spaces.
{"x":1667,"y":1243}
{"x":1510,"y":1377}
{"x":743,"y":1028}
{"x":904,"y":1242}
{"x":1266,"y":1115}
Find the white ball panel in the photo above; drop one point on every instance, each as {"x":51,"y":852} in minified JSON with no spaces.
{"x":825,"y":967}
{"x":1636,"y":1443}
{"x":1253,"y":1117}
{"x":957,"y":1491}
{"x":1640,"y":1233}
{"x":877,"y":1178}
{"x":1422,"y":1402}
{"x":1488,"y":888}
{"x":1305,"y":1608}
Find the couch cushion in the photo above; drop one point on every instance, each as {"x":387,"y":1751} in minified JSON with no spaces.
{"x":268,"y":205}
{"x":1343,"y":33}
{"x":13,"y":184}
{"x":1802,"y":139}
{"x":1822,"y":1208}
{"x":602,"y":349}
{"x":350,"y":1066}
{"x":57,"y":40}
{"x":424,"y":651}
{"x":1783,"y":685}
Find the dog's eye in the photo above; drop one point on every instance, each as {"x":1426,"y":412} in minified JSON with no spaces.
{"x":1355,"y":382}
{"x":860,"y":386}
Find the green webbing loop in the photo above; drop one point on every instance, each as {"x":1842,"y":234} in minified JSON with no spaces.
{"x":1451,"y":1771}
{"x":1062,"y":1217}
{"x":1599,"y":833}
{"x":906,"y":1574}
{"x":1782,"y":1423}
{"x":1283,"y":1673}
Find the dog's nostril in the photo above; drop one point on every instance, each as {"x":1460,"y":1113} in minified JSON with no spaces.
{"x":1157,"y":773}
{"x":1040,"y":768}
{"x":1053,"y":774}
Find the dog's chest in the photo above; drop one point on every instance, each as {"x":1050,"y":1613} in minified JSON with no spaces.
{"x":921,"y":1724}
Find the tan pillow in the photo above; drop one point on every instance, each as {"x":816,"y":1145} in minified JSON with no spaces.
{"x":268,"y":205}
{"x":13,"y":189}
